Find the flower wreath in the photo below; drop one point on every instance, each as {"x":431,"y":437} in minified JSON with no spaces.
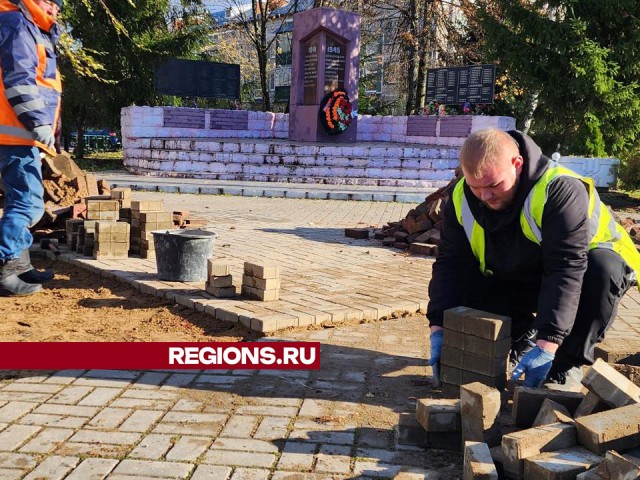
{"x":335,"y":112}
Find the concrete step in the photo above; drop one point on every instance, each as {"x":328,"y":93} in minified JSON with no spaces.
{"x":319,"y":191}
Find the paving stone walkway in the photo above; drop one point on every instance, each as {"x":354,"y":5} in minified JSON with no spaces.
{"x":339,"y":422}
{"x":325,"y":277}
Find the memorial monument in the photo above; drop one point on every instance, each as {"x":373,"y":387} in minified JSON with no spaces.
{"x":325,"y":62}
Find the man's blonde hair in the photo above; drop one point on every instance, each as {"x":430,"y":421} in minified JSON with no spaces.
{"x":484,"y":148}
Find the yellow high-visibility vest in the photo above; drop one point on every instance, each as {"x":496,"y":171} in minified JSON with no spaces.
{"x":604,"y":231}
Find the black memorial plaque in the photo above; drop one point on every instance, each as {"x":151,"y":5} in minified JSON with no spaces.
{"x":334,"y":65}
{"x":196,"y":78}
{"x":457,"y":85}
{"x":310,"y":78}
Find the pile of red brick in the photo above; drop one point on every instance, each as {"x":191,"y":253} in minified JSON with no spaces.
{"x":540,"y":434}
{"x":632,"y":228}
{"x":419,"y":231}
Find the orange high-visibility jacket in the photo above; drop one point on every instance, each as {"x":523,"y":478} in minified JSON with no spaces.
{"x":30,"y":84}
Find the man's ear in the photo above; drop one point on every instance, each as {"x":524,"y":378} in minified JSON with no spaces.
{"x":517,"y":162}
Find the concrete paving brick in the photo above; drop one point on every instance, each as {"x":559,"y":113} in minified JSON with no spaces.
{"x":24,"y":397}
{"x":610,"y":385}
{"x":101,"y":396}
{"x":149,"y":394}
{"x":150,"y":380}
{"x":111,"y":438}
{"x":141,"y":420}
{"x":552,"y":412}
{"x":71,"y":410}
{"x":527,"y":403}
{"x":561,"y":464}
{"x":240,"y":426}
{"x":272,"y":428}
{"x":71,"y":395}
{"x":185,"y":405}
{"x":7,"y":474}
{"x":178,"y":380}
{"x":193,"y":417}
{"x":32,"y":388}
{"x":478,"y":464}
{"x":96,"y":450}
{"x":142,"y":403}
{"x":188,"y":449}
{"x":153,"y":447}
{"x":267,"y":410}
{"x":320,"y":436}
{"x":375,"y":469}
{"x":478,"y":323}
{"x":613,"y":350}
{"x":100,"y":382}
{"x":209,"y":472}
{"x":47,"y":440}
{"x":153,"y":469}
{"x":590,"y":404}
{"x":110,"y":418}
{"x":53,"y":468}
{"x":479,"y":409}
{"x":93,"y":469}
{"x":517,"y":446}
{"x":15,"y":435}
{"x":197,"y":429}
{"x":239,"y":458}
{"x":617,"y":429}
{"x":297,"y":456}
{"x":438,"y":415}
{"x":244,"y":444}
{"x":17,"y":460}
{"x":65,"y":377}
{"x":312,"y":407}
{"x":250,"y":474}
{"x":14,"y":410}
{"x":330,"y":463}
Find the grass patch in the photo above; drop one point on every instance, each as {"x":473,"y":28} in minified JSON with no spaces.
{"x":101,"y":161}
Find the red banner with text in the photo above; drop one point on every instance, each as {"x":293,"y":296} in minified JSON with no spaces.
{"x":159,"y":355}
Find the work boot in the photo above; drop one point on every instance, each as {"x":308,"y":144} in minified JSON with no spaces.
{"x":564,"y":377}
{"x":10,"y":284}
{"x":27,"y":273}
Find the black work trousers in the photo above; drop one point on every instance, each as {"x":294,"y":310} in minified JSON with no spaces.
{"x":606,"y":280}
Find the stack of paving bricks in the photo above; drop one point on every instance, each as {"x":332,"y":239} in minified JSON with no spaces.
{"x":261,"y":282}
{"x":219,"y":279}
{"x":475,"y":349}
{"x":123,"y":195}
{"x":86,"y":238}
{"x":102,"y":209}
{"x":72,"y":226}
{"x":111,"y":240}
{"x":147,"y":216}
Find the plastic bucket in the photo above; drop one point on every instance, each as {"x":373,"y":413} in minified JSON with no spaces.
{"x":181,"y":255}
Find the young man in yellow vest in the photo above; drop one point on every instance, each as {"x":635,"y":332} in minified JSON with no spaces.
{"x":29,"y":111}
{"x":526,"y":238}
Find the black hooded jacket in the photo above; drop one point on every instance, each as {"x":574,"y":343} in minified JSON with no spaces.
{"x":554,"y":269}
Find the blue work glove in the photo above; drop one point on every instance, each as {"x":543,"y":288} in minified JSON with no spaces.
{"x":436,"y":350}
{"x":44,"y":134}
{"x":535,"y":364}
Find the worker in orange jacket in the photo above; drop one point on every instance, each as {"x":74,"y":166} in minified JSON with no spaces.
{"x":29,"y":111}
